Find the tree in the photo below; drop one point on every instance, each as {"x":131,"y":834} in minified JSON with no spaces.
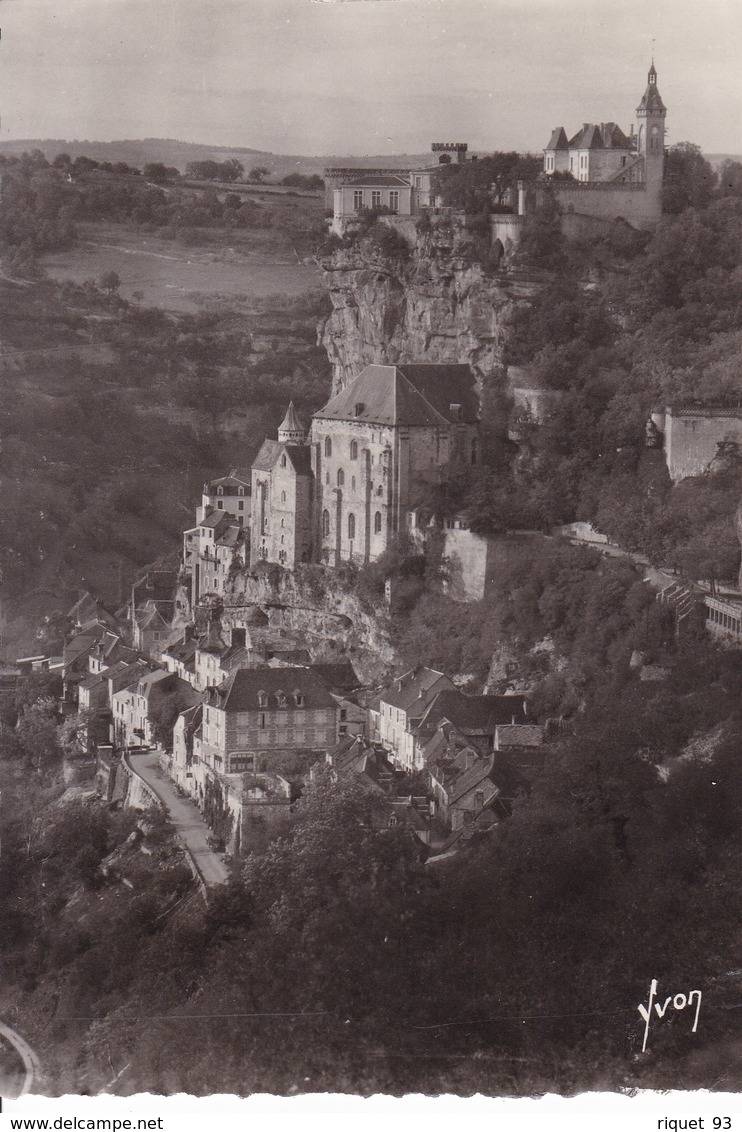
{"x":110,"y":281}
{"x":159,"y":173}
{"x":689,"y":179}
{"x":259,"y":173}
{"x":232,"y":170}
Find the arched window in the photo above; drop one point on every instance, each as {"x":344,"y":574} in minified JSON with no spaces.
{"x":353,"y":483}
{"x":380,"y":490}
{"x":377,"y":523}
{"x":341,"y":477}
{"x":328,"y":446}
{"x":283,"y":461}
{"x":325,"y":523}
{"x":283,"y":496}
{"x":240,"y":491}
{"x":220,"y":491}
{"x":327,"y":478}
{"x":354,"y":449}
{"x":351,"y":526}
{"x":263,"y":699}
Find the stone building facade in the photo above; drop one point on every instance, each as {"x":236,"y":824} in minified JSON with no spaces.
{"x":282,"y":491}
{"x":615,"y":174}
{"x":268,"y":720}
{"x":347,"y":491}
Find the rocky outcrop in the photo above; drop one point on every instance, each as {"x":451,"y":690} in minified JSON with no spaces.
{"x":444,"y":301}
{"x":315,"y":605}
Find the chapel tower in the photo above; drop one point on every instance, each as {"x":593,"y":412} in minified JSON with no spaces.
{"x":651,"y":114}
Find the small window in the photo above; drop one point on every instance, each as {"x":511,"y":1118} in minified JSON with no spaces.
{"x":351,"y":526}
{"x":283,"y":461}
{"x":394,"y":200}
{"x":376,"y":198}
{"x":263,"y":699}
{"x":341,"y":477}
{"x":240,"y":491}
{"x":328,"y":446}
{"x":358,"y":199}
{"x":352,"y":483}
{"x":219,"y":505}
{"x":354,"y":449}
{"x":377,"y":523}
{"x":241,"y":505}
{"x":360,"y":406}
{"x":298,"y":699}
{"x":325,"y":523}
{"x":283,"y":496}
{"x":220,"y":491}
{"x":327,"y":478}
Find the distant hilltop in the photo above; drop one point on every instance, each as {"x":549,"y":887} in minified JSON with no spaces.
{"x":179,"y":154}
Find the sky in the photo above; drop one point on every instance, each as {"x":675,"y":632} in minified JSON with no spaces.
{"x":365,"y":76}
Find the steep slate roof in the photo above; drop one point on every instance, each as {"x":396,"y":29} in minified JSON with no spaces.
{"x":589,"y":137}
{"x":338,"y":677}
{"x":291,"y":422}
{"x":125,"y":675}
{"x":651,"y":98}
{"x":182,"y":650}
{"x":240,"y":691}
{"x":415,"y":689}
{"x":231,"y":537}
{"x":214,"y":519}
{"x":270,"y":450}
{"x":614,"y":137}
{"x":558,"y":139}
{"x":410,"y":394}
{"x":231,"y":484}
{"x":472,"y":714}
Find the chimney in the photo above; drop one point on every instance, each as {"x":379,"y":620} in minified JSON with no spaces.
{"x":238,"y":638}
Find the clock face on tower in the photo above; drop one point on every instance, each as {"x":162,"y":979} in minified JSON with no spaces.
{"x":655,"y":129}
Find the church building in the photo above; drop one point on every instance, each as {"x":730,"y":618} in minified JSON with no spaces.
{"x":344,"y":493}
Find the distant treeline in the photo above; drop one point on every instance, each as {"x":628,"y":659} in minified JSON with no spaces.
{"x":230,"y":171}
{"x":42,"y":200}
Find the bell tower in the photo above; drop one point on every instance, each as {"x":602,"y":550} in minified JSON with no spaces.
{"x":651,"y":114}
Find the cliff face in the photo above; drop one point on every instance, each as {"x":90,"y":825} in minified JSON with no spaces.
{"x":436,"y":304}
{"x":311,"y":608}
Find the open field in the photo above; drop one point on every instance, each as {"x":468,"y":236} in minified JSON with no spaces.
{"x":176,"y":277}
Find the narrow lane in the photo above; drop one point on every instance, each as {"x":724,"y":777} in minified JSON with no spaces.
{"x":185,"y":815}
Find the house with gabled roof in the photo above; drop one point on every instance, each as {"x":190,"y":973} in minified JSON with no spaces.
{"x":401,"y":707}
{"x":268,"y":719}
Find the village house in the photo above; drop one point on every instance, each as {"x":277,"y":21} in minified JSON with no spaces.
{"x":396,"y":191}
{"x":143,"y":710}
{"x":268,"y":719}
{"x":400,"y":709}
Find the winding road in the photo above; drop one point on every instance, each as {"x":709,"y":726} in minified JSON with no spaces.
{"x":29,"y":1061}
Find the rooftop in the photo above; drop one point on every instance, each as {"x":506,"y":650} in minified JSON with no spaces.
{"x":241,"y":691}
{"x":410,"y":394}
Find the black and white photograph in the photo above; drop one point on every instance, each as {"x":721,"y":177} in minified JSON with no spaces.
{"x":370,"y":584}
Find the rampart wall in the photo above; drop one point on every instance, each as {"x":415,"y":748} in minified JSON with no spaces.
{"x":693,"y":436}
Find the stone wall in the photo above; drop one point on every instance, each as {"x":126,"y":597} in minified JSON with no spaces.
{"x":693,"y":436}
{"x":640,"y":204}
